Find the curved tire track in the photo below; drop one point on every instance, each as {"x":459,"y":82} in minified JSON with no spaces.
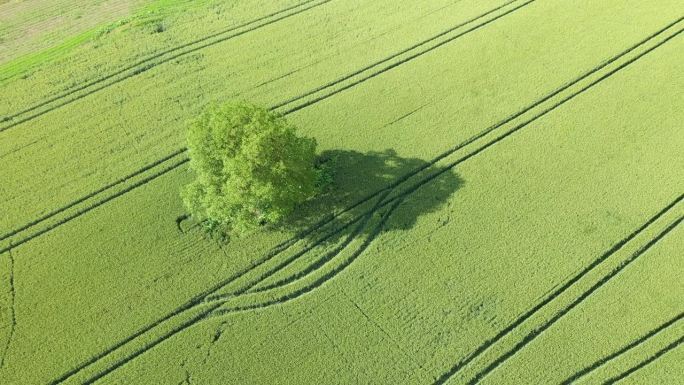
{"x":214,"y":309}
{"x":362,"y":220}
{"x":300,"y":97}
{"x":201,"y":299}
{"x":322,"y":279}
{"x":198,"y":299}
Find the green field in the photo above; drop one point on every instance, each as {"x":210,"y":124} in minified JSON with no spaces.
{"x":507,"y":204}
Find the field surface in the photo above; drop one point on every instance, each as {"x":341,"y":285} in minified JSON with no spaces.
{"x":507,"y":205}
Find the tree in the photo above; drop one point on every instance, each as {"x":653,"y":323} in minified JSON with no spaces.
{"x":251,"y":168}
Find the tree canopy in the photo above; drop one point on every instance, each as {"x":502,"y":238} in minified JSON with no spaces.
{"x":251,"y":167}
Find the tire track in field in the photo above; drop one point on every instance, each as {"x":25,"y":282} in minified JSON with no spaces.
{"x":598,"y":285}
{"x":13,"y":318}
{"x":198,"y":299}
{"x":645,"y":362}
{"x":362,"y":220}
{"x":515,"y":129}
{"x":485,"y":346}
{"x":604,"y":360}
{"x":137,"y":71}
{"x":389,"y":59}
{"x":150,"y":62}
{"x":95,"y":205}
{"x":555,"y":294}
{"x":215,"y":311}
{"x":300,"y":97}
{"x":92,"y":194}
{"x":377,"y":229}
{"x":213,"y":305}
{"x":439,"y":157}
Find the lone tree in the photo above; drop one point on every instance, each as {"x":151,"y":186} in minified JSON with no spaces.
{"x":251,"y":168}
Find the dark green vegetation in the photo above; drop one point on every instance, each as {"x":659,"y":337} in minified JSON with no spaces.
{"x":250,"y":166}
{"x":507,"y":204}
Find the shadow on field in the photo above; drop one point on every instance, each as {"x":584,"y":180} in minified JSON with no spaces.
{"x":359,"y":175}
{"x":383,"y":182}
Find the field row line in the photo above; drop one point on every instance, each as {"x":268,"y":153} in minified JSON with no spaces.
{"x":410,"y":53}
{"x":360,"y":220}
{"x":196,"y":302}
{"x":320,"y":280}
{"x":199,"y":299}
{"x":636,"y":343}
{"x":487,"y":344}
{"x":280,"y":248}
{"x":92,"y":194}
{"x":148,"y":63}
{"x":130,"y":177}
{"x":537,"y":331}
{"x":670,"y":347}
{"x":217,"y":307}
{"x":78,"y":212}
{"x":12,"y":309}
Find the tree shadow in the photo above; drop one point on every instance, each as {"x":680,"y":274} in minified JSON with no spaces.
{"x":364,"y":184}
{"x":364,"y":181}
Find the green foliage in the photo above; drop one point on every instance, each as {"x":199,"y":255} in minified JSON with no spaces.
{"x":394,"y":302}
{"x":251,"y":167}
{"x":325,"y":172}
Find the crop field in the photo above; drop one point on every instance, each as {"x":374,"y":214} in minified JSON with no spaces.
{"x":506,"y":208}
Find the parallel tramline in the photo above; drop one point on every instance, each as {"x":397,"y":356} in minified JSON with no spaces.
{"x":504,"y":193}
{"x":165,"y":56}
{"x":181,"y":151}
{"x":346,"y":82}
{"x":153,"y":163}
{"x":217,"y":305}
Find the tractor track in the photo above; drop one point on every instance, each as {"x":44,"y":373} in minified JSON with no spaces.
{"x":214,"y":310}
{"x":361,"y":218}
{"x":92,"y":194}
{"x":13,"y":310}
{"x":396,"y":55}
{"x":322,"y":279}
{"x":396,"y":200}
{"x":149,"y":63}
{"x":410,"y":190}
{"x":94,"y":205}
{"x":461,"y":364}
{"x":184,"y":150}
{"x":555,"y":294}
{"x":545,"y":326}
{"x":436,"y":159}
{"x":136,"y":68}
{"x":310,"y":268}
{"x":637,"y":342}
{"x":645,"y":362}
{"x":200,"y":299}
